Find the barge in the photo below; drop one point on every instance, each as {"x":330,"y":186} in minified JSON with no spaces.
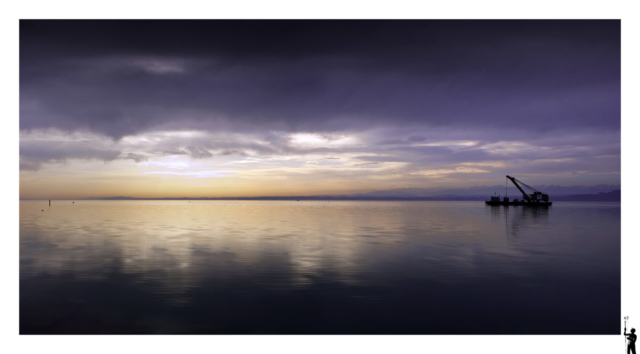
{"x":536,"y":198}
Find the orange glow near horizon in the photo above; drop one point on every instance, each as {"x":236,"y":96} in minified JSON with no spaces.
{"x":181,"y":164}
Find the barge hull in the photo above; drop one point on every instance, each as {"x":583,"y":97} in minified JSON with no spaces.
{"x":537,"y":204}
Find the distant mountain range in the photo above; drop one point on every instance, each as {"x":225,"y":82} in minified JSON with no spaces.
{"x":488,"y":190}
{"x":600,"y":192}
{"x":613,"y":196}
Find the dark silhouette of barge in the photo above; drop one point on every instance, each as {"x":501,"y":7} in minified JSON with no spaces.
{"x":536,"y":198}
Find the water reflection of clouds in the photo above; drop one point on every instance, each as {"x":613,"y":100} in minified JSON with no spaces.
{"x":267,"y":267}
{"x":282,"y":245}
{"x":312,"y":237}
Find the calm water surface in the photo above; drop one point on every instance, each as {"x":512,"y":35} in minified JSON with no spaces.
{"x":286,"y":267}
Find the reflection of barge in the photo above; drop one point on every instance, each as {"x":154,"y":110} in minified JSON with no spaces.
{"x":516,"y":202}
{"x":537,"y":198}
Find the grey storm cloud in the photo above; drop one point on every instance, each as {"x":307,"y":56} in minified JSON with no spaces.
{"x":34,"y":154}
{"x":136,"y":157}
{"x":119,"y":78}
{"x":199,"y":153}
{"x":228,"y":152}
{"x":174,"y":152}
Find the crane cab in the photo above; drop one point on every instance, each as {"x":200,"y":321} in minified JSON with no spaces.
{"x":539,"y":196}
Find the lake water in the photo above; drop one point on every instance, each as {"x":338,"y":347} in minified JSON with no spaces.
{"x":311,"y":267}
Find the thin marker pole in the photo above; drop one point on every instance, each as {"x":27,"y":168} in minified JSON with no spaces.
{"x":625,"y":333}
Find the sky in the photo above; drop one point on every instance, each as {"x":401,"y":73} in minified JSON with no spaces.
{"x":217,"y":108}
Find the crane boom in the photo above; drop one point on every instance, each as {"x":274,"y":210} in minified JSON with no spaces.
{"x":536,"y":198}
{"x":513,"y":180}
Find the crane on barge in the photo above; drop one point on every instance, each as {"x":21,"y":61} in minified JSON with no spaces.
{"x":534,"y":198}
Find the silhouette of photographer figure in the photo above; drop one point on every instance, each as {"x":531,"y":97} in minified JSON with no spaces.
{"x":631,"y":347}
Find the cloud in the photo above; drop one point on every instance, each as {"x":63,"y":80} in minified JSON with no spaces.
{"x":34,"y":154}
{"x":198,"y":152}
{"x":136,"y":157}
{"x":193,"y":174}
{"x":174,"y":152}
{"x":30,"y":165}
{"x":392,"y":101}
{"x":228,"y":152}
{"x":54,"y":146}
{"x":323,"y":77}
{"x":442,"y":172}
{"x":271,"y":155}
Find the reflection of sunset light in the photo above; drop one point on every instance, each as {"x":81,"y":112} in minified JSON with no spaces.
{"x":165,"y":241}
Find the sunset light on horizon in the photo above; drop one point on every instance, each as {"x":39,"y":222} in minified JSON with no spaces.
{"x":166,"y":110}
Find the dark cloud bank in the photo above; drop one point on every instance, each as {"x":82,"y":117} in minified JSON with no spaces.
{"x":125,"y":77}
{"x":553,"y":87}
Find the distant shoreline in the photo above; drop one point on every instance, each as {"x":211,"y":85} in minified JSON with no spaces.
{"x":614,"y":196}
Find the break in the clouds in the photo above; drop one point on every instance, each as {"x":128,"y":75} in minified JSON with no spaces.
{"x":364,"y":104}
